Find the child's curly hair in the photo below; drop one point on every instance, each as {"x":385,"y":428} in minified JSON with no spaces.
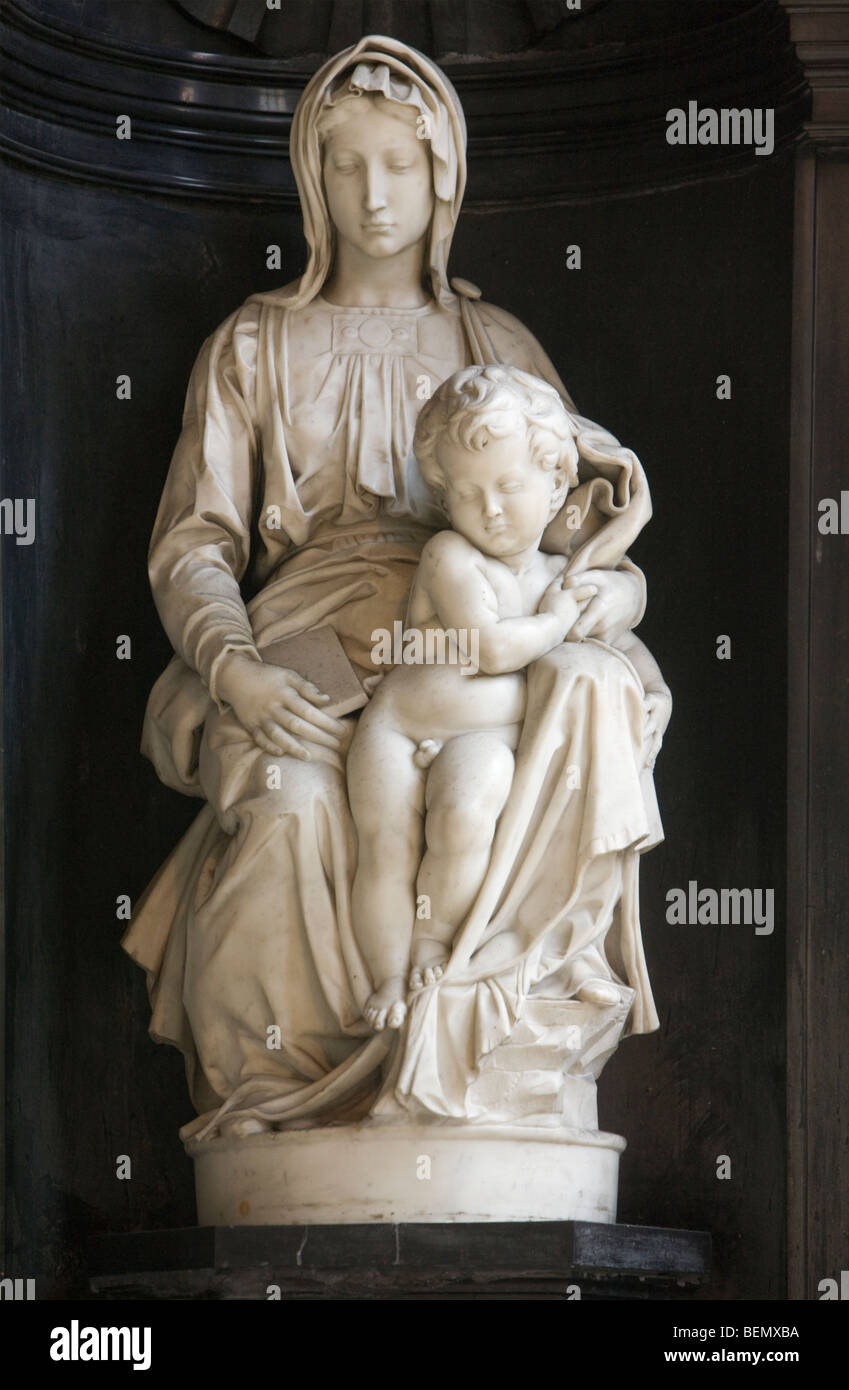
{"x":478,"y":404}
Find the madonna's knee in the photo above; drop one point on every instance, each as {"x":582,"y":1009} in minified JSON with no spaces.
{"x":283,"y":784}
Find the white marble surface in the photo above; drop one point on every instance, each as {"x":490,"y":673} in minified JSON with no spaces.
{"x":390,"y":1173}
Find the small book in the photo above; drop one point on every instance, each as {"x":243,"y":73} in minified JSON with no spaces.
{"x":320,"y":657}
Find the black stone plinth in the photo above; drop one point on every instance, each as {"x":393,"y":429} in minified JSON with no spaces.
{"x":539,"y":1260}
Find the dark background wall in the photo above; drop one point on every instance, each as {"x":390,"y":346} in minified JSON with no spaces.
{"x":678,"y":285}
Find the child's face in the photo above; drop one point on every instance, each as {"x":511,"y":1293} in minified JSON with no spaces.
{"x":498,"y":498}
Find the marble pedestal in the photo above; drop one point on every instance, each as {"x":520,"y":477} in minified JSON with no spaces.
{"x":371,"y":1172}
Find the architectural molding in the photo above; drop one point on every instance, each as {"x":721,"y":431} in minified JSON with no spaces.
{"x":548,"y":127}
{"x":818,"y":660}
{"x":819,"y":30}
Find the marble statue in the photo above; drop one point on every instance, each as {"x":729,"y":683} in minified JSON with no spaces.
{"x":433,"y":756}
{"x":346,"y":1007}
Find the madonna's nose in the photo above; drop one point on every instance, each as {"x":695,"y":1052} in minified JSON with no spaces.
{"x":375,"y":188}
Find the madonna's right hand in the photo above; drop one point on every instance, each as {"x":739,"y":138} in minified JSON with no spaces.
{"x":280,"y":709}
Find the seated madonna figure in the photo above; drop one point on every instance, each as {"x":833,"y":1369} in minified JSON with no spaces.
{"x":294,"y":486}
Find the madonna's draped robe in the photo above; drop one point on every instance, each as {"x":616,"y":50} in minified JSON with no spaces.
{"x":294,"y":474}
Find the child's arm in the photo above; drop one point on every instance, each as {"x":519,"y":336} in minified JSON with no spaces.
{"x":451,"y":574}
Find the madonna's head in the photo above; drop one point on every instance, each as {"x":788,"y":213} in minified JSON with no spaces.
{"x":378,"y":150}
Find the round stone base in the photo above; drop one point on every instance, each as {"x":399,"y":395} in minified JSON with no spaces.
{"x":348,"y":1174}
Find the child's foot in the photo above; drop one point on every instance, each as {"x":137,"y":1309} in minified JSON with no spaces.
{"x":600,"y":992}
{"x":429,"y":968}
{"x":386,"y":1008}
{"x":428,"y":749}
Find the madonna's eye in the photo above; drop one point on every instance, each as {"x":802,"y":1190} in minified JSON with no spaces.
{"x":399,"y":168}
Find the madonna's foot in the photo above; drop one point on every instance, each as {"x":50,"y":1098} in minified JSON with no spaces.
{"x":386,"y":1008}
{"x":241,"y":1128}
{"x":600,"y":992}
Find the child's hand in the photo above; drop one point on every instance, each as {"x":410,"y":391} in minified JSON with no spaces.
{"x":566,"y":604}
{"x":658,"y":709}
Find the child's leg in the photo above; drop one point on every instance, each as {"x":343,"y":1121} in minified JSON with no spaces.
{"x":386,"y":792}
{"x":467,"y":787}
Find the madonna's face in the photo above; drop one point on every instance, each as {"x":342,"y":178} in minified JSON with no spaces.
{"x":378,"y":180}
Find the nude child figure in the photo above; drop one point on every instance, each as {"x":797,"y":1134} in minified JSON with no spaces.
{"x":431,"y":763}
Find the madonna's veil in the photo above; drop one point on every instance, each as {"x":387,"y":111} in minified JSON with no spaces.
{"x":402,"y":74}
